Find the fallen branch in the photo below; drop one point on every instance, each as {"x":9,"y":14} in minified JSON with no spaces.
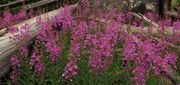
{"x":40,"y":3}
{"x":145,"y":19}
{"x":144,"y":29}
{"x":11,"y":3}
{"x":155,"y":29}
{"x":140,"y":16}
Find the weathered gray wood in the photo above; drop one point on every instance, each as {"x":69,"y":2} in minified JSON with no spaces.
{"x":8,"y":46}
{"x":40,"y":3}
{"x":33,"y":5}
{"x":173,"y":13}
{"x":11,"y":3}
{"x":145,"y":19}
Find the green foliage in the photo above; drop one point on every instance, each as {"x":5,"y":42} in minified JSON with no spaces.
{"x":175,"y":4}
{"x":178,"y":61}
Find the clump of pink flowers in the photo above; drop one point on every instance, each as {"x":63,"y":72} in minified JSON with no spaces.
{"x":96,"y":35}
{"x":48,"y":36}
{"x":146,"y":54}
{"x":15,"y":64}
{"x":78,"y":35}
{"x":36,"y":64}
{"x":100,"y":53}
{"x":70,"y":69}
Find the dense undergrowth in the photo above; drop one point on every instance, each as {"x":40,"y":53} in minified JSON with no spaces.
{"x":78,"y":48}
{"x":12,"y":16}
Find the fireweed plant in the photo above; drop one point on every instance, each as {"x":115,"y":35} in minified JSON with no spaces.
{"x":91,"y":46}
{"x":10,"y":19}
{"x":20,"y":57}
